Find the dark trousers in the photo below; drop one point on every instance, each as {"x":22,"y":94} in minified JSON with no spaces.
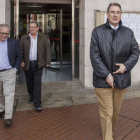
{"x":33,"y":81}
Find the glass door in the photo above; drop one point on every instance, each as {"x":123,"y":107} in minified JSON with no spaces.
{"x":54,"y":32}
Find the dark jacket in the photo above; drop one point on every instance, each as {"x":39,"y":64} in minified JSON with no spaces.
{"x":124,"y":44}
{"x":14,"y":53}
{"x":43,"y":51}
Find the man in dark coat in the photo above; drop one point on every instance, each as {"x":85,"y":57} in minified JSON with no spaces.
{"x":36,"y":56}
{"x":10,"y":60}
{"x":113,"y":53}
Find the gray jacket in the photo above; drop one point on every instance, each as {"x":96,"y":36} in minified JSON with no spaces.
{"x":124,"y":44}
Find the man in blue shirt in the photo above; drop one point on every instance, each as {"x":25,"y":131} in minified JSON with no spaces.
{"x":10,"y":60}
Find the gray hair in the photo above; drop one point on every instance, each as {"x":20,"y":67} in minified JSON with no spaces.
{"x":33,"y":22}
{"x":114,"y":4}
{"x":4,"y":25}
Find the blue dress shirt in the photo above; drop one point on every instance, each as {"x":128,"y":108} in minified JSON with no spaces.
{"x":4,"y":60}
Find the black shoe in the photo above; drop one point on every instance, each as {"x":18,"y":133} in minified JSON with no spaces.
{"x":38,"y":108}
{"x":31,"y":101}
{"x":8,"y":122}
{"x":2,"y":113}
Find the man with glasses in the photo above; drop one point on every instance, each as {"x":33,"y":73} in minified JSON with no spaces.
{"x":36,"y":56}
{"x":10,"y":60}
{"x":113,"y":53}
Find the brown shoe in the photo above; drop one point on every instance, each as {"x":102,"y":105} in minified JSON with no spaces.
{"x":8,"y":122}
{"x":2,"y":113}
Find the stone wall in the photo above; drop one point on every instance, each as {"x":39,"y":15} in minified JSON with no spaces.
{"x":5,"y":11}
{"x":87,"y":23}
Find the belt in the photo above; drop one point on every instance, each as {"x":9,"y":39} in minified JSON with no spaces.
{"x":3,"y":70}
{"x":33,"y":61}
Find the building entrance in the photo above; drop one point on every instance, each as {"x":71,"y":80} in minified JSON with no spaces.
{"x":55,"y":20}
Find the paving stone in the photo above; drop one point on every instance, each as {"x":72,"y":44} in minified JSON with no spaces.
{"x":84,"y":100}
{"x":70,"y":112}
{"x":77,"y":122}
{"x":56,"y":102}
{"x":23,"y":105}
{"x":64,"y":89}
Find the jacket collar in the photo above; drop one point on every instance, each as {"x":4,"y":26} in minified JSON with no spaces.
{"x":9,"y":46}
{"x":108,"y":24}
{"x":39,"y":35}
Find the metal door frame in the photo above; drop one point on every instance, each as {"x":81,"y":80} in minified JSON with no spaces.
{"x":47,"y":1}
{"x":61,"y":26}
{"x":17,"y":19}
{"x":73,"y":58}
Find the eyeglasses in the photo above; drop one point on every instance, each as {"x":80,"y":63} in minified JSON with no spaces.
{"x":113,"y":12}
{"x":32,"y":27}
{"x":4,"y":33}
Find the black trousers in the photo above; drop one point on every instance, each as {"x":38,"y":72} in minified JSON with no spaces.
{"x":33,"y":81}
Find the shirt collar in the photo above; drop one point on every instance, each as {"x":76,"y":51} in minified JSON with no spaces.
{"x":3,"y":42}
{"x":31,"y":36}
{"x":114,"y":27}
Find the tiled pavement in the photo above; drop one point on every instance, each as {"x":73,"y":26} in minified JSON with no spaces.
{"x":78,"y":122}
